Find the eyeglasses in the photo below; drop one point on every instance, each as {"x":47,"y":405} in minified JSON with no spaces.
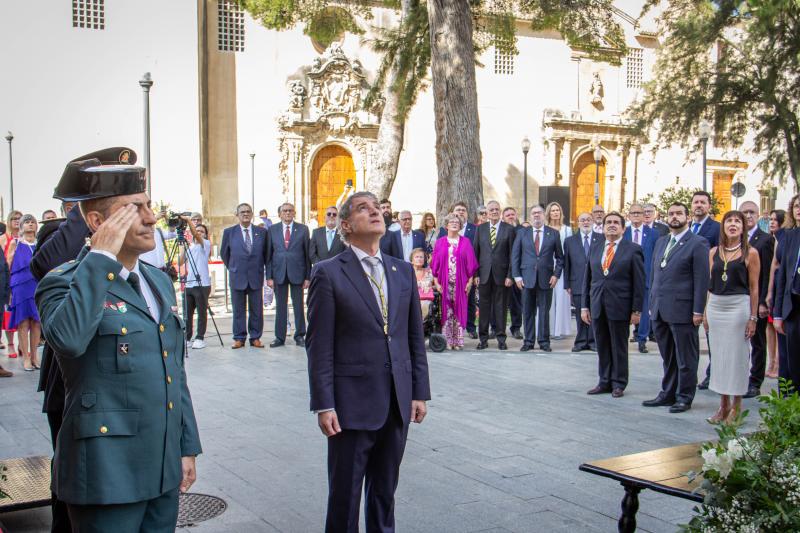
{"x":331,"y":215}
{"x":482,"y":213}
{"x":636,"y":212}
{"x":407,"y":219}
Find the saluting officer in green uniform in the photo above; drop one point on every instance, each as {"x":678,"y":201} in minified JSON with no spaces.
{"x":129,"y":437}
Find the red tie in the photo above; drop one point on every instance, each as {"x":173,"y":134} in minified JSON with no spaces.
{"x":286,"y":237}
{"x":536,"y":242}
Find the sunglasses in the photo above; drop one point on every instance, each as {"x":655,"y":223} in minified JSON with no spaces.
{"x":331,"y":215}
{"x":481,"y":212}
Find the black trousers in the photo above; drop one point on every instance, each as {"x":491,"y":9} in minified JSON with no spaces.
{"x":679,"y":345}
{"x":282,"y":310}
{"x":791,"y":325}
{"x":585,"y":334}
{"x":537,"y":301}
{"x":60,"y":522}
{"x":371,"y":459}
{"x":197,"y":298}
{"x":250,"y":303}
{"x":515,"y":308}
{"x":472,"y":308}
{"x":611,"y":337}
{"x":493,"y":298}
{"x":758,"y":354}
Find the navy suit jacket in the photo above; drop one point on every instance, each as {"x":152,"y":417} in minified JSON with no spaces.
{"x":575,"y":260}
{"x":417,"y":241}
{"x":680,"y":288}
{"x":292,"y":264}
{"x":391,"y":244}
{"x":647,"y":240}
{"x":352,"y":364}
{"x":709,"y":230}
{"x":764,"y":243}
{"x":784,"y":277}
{"x":621,"y":292}
{"x":318,"y":247}
{"x":245,"y":270}
{"x":536,"y":270}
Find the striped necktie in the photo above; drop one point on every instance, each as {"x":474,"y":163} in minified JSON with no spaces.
{"x":492,"y":235}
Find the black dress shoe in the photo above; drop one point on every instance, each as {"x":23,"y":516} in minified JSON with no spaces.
{"x":516,"y":334}
{"x":752,"y":392}
{"x":652,"y":337}
{"x":300,"y":341}
{"x":680,"y":407}
{"x":473,"y":334}
{"x":592,"y":348}
{"x":546,"y":348}
{"x":617,"y":393}
{"x":643,"y":347}
{"x":576,"y":349}
{"x":526,"y":347}
{"x":658,"y":401}
{"x":276,"y":343}
{"x":703,"y":384}
{"x":598,"y":390}
{"x":501,"y":345}
{"x":482,"y":345}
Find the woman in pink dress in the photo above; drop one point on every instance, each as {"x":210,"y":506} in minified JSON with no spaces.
{"x":454,"y":265}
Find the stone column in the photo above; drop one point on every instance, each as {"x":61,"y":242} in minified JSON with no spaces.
{"x":565,"y":162}
{"x":633,"y":172}
{"x":617,"y":200}
{"x":549,"y":163}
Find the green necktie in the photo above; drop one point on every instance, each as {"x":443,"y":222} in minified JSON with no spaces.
{"x":670,"y":246}
{"x":492,"y":235}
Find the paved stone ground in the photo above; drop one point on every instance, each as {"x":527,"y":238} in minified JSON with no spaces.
{"x":498,"y":452}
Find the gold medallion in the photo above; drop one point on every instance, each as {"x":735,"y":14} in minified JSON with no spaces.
{"x":605,"y":272}
{"x":724,"y":277}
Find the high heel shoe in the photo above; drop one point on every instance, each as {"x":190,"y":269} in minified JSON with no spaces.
{"x":27,"y":366}
{"x":36,"y":364}
{"x":733,"y":414}
{"x":718,"y":417}
{"x":12,"y":353}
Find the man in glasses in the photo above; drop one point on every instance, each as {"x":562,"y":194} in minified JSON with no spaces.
{"x":325,"y":241}
{"x":410,"y":238}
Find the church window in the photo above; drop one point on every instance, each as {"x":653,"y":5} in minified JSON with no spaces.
{"x":230,"y":26}
{"x":90,"y":14}
{"x":504,"y":56}
{"x":635,"y":68}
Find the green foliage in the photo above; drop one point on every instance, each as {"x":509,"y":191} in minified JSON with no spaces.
{"x":327,"y":25}
{"x":3,"y":494}
{"x":665,"y":198}
{"x":735,"y":63}
{"x":753,"y":483}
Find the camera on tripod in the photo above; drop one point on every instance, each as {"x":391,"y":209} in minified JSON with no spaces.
{"x":176,"y":220}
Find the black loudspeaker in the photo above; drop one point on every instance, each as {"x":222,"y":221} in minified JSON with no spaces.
{"x":554,"y":193}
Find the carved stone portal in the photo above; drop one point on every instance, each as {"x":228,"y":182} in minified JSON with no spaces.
{"x":326,"y":106}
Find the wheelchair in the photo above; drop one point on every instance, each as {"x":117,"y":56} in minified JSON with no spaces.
{"x":432,"y":325}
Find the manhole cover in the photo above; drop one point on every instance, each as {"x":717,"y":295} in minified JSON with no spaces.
{"x":194,"y":508}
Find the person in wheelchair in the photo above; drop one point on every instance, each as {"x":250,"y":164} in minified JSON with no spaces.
{"x":425,"y":280}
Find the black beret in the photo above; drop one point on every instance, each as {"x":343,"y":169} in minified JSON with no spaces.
{"x":101,"y":174}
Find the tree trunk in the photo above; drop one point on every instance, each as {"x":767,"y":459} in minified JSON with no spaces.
{"x":390,"y":135}
{"x":455,"y":98}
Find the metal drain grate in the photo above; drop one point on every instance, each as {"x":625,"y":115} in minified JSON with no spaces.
{"x":194,"y":508}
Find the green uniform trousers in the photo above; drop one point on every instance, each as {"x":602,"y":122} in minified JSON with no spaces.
{"x":159,"y":515}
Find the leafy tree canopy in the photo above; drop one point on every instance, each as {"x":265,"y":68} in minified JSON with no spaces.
{"x":665,"y":198}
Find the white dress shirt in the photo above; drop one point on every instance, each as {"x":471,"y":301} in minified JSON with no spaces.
{"x":408,"y":241}
{"x":634,"y":229}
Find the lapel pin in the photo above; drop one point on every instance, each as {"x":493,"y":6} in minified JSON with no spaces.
{"x":123,"y":348}
{"x":394,"y":268}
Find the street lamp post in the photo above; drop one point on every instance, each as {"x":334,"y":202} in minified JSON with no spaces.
{"x":253,"y":180}
{"x":705,"y":133}
{"x":146,"y":82}
{"x":598,"y":156}
{"x":526,"y":146}
{"x":9,"y":138}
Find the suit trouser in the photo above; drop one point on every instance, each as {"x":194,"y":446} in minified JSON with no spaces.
{"x":611,"y":337}
{"x":783,"y":357}
{"x":493,"y":299}
{"x":197,"y":298}
{"x":247,"y":302}
{"x":471,"y":309}
{"x":537,"y":300}
{"x":584,"y":337}
{"x":679,"y":345}
{"x":758,"y":354}
{"x":371,"y":458}
{"x":791,"y":326}
{"x":60,"y":521}
{"x":282,"y":310}
{"x":642,"y":331}
{"x":159,"y":515}
{"x":513,"y":307}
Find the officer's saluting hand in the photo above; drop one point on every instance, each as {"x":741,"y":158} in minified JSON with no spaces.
{"x":129,"y":436}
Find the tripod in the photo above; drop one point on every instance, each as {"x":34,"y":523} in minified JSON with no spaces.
{"x":181,"y":245}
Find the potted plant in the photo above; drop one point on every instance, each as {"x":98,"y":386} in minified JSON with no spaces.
{"x":752,"y":483}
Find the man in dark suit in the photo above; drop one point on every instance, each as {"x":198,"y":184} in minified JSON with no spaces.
{"x":468,"y":230}
{"x":576,"y":253}
{"x":391,"y":244}
{"x":786,"y":312}
{"x":764,"y":244}
{"x":245,"y":252}
{"x":646,"y":238}
{"x":651,"y":220}
{"x":325,"y":241}
{"x":410,"y":239}
{"x":288,"y":270}
{"x":493,"y":244}
{"x":515,"y":294}
{"x":536,"y":263}
{"x":613,"y":295}
{"x":678,"y":293}
{"x":367,"y":368}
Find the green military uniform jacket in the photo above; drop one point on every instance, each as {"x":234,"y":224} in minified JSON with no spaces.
{"x":128,"y":417}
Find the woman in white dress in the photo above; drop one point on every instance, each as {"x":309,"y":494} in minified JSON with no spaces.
{"x":561,"y":309}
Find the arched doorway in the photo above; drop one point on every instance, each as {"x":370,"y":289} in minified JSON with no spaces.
{"x":583,"y":185}
{"x":333,"y":166}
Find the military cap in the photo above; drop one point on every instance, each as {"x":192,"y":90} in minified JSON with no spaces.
{"x":108,"y":172}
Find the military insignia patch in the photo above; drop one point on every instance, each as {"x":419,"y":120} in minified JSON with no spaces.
{"x":123,"y":348}
{"x":109,"y":305}
{"x":121,"y":307}
{"x":124,"y":157}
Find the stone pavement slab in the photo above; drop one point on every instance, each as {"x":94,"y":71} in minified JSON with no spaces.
{"x":498,"y":452}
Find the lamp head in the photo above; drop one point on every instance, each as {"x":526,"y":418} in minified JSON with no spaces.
{"x":598,"y":154}
{"x":704,"y":129}
{"x":526,"y":145}
{"x":10,"y":137}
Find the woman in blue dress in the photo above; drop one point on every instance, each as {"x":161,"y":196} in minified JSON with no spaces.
{"x":24,"y":315}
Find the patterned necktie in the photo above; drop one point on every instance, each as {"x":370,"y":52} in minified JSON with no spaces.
{"x":670,"y":246}
{"x":248,"y":242}
{"x":378,"y":282}
{"x":696,"y":228}
{"x":492,"y":235}
{"x":586,"y":245}
{"x":133,"y":280}
{"x":286,"y":236}
{"x":636,"y":236}
{"x":330,"y":233}
{"x":609,"y":256}
{"x":536,"y":241}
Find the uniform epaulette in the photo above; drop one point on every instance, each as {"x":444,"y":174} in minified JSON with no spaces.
{"x":65,"y":267}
